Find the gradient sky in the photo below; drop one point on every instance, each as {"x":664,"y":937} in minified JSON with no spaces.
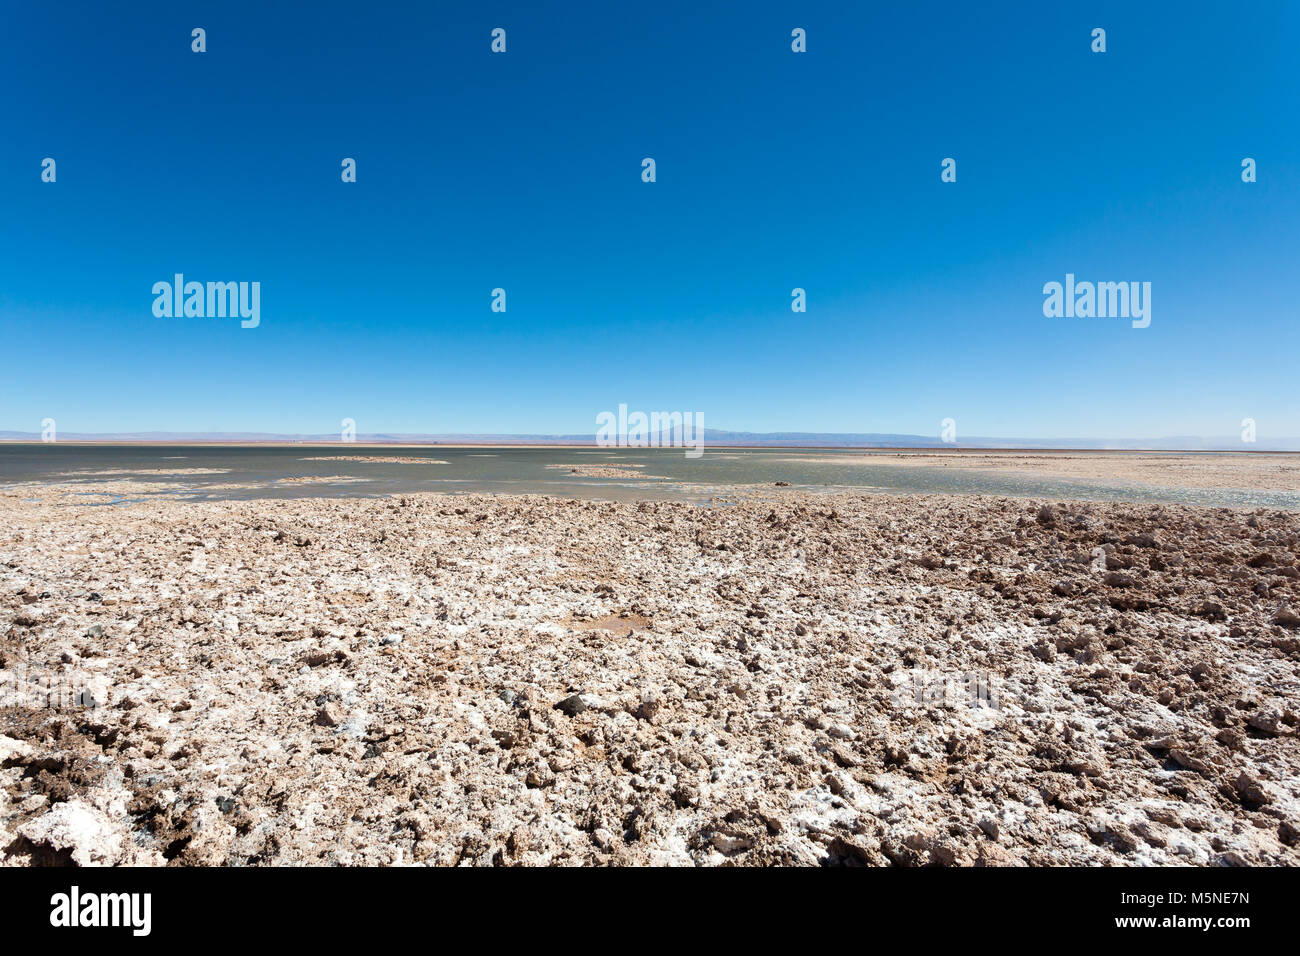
{"x":775,"y":170}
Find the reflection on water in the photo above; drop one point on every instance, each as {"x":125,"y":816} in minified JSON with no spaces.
{"x":214,"y":472}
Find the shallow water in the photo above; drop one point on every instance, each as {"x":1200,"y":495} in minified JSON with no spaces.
{"x":260,"y":472}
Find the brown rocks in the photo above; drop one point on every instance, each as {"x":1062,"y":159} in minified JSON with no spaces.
{"x":539,"y":776}
{"x":1191,"y":759}
{"x":1251,"y":791}
{"x":330,"y":715}
{"x":1268,"y":720}
{"x":1286,"y":617}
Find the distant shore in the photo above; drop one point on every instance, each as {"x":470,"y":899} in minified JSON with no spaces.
{"x":938,"y":449}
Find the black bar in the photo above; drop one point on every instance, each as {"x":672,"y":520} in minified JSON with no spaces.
{"x":304,"y":905}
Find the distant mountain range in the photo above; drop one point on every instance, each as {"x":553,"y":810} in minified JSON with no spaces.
{"x":712,"y":436}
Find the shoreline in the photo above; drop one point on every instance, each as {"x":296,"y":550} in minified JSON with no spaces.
{"x":1205,"y":479}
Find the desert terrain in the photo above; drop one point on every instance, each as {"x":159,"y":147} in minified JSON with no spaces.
{"x":792,"y":679}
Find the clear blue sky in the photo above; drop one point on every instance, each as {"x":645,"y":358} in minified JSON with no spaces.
{"x":775,"y":170}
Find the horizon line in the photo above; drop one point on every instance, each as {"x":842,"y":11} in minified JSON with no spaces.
{"x":717,"y":437}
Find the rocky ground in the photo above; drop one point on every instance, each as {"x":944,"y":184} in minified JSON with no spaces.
{"x":525,"y":680}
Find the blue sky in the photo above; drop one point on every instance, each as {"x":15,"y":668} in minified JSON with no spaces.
{"x":776,"y":170}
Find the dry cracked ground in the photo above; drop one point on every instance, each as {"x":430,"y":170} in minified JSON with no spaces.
{"x":526,"y":680}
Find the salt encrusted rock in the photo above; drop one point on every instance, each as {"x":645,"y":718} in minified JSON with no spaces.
{"x":1267,"y":719}
{"x":1251,"y":791}
{"x":539,"y":776}
{"x":841,"y":731}
{"x":79,"y":829}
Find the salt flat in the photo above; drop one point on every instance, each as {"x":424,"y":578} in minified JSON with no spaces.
{"x":1256,"y":470}
{"x":817,"y":679}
